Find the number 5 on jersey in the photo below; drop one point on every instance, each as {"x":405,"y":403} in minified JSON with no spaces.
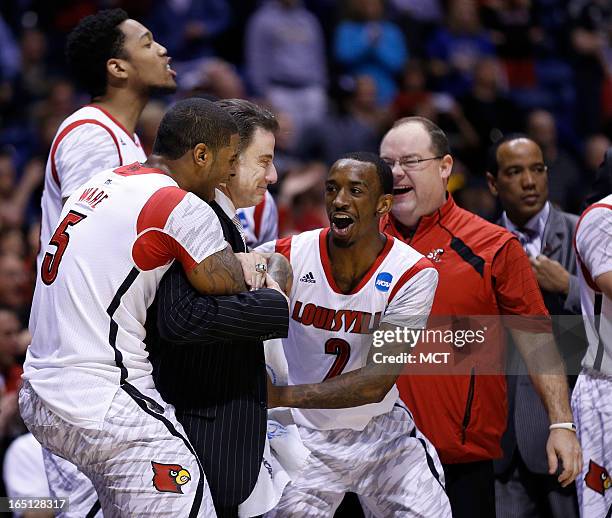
{"x":61,"y":238}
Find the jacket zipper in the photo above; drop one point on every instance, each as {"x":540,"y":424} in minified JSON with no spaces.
{"x":468,"y":406}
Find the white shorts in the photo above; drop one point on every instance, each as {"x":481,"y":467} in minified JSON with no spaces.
{"x":140,"y":461}
{"x":592,"y":408}
{"x":66,"y":481}
{"x":390,"y":464}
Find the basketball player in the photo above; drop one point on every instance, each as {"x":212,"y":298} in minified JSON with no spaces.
{"x":116,"y":60}
{"x":88,"y":393}
{"x":349,"y":281}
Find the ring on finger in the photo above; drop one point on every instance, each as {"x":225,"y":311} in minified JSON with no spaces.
{"x":261,"y":268}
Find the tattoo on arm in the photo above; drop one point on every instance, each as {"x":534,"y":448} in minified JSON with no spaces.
{"x":280,"y":270}
{"x":219,"y":274}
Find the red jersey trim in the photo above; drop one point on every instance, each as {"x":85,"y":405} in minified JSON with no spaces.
{"x":327,"y":268}
{"x":153,"y":247}
{"x":586,"y":274}
{"x":137,"y":168}
{"x":283,"y":246}
{"x":258,"y":216}
{"x":105,"y":112}
{"x":419,"y":266}
{"x":67,"y":130}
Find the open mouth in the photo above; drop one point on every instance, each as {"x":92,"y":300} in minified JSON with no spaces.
{"x":169,"y":69}
{"x":341,"y":224}
{"x":402,"y":190}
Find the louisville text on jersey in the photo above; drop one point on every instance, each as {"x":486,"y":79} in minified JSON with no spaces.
{"x":350,"y":321}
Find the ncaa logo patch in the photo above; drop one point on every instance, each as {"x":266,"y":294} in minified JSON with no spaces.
{"x":383,"y":281}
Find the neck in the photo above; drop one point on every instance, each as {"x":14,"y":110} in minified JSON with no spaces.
{"x":223,"y":188}
{"x":181,"y":173}
{"x":348,"y":266}
{"x":124,"y":105}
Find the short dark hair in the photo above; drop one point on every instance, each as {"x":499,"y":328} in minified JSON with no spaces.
{"x":385,"y":175}
{"x":191,"y":122}
{"x":492,"y":165}
{"x":439,"y":140}
{"x":248,"y":117}
{"x":96,"y":39}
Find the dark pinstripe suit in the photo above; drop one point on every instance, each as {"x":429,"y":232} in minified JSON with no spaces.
{"x":211,"y":367}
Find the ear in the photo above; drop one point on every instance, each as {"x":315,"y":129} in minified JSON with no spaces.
{"x":116,"y":68}
{"x":202,"y":155}
{"x":385,"y":202}
{"x":446,"y":166}
{"x":492,"y":183}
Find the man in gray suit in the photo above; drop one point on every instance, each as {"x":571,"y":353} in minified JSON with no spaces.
{"x":518,"y":176}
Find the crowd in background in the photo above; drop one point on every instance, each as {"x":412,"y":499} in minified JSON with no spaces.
{"x":337,"y":73}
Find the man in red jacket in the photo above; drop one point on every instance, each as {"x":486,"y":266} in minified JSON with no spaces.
{"x":482,"y":271}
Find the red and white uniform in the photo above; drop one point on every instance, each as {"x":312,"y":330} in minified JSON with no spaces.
{"x":591,"y":401}
{"x":374,"y":450}
{"x":118,"y":234}
{"x":260,"y":223}
{"x":87,"y":142}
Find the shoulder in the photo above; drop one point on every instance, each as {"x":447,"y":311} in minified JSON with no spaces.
{"x":474,"y":231}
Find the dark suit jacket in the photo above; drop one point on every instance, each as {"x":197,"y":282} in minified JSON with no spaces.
{"x":527,"y":419}
{"x":210,"y":365}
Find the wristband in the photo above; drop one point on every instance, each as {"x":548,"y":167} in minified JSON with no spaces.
{"x":563,"y":426}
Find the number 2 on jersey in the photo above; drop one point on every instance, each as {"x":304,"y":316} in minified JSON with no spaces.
{"x":51,"y":262}
{"x":342,"y":350}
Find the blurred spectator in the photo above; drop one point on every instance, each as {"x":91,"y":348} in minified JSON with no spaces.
{"x":562,"y":169}
{"x":366,"y":43}
{"x":24,"y":473}
{"x":14,"y":197}
{"x":595,"y":148}
{"x":10,"y":372}
{"x":455,"y":48}
{"x":417,"y":19}
{"x":33,"y":82}
{"x":357,"y":124}
{"x":12,"y":242}
{"x":9,"y":53}
{"x":301,"y":201}
{"x":148,"y":124}
{"x":490,"y":111}
{"x":59,"y":103}
{"x":285,"y":60}
{"x":188,"y":28}
{"x":212,"y":78}
{"x":413,"y":91}
{"x":515,"y":33}
{"x":591,"y":38}
{"x":14,"y":286}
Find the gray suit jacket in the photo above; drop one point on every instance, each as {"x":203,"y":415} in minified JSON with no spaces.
{"x":527,"y":419}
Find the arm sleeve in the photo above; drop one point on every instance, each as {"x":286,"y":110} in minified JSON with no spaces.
{"x":185,"y":317}
{"x":594,"y":241}
{"x":411,"y":304}
{"x":83,"y":152}
{"x":517,"y":291}
{"x":175,"y":224}
{"x":391,"y":49}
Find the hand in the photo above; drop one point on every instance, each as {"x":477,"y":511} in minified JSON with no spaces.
{"x":551,"y":275}
{"x":271,"y":283}
{"x":563,"y":445}
{"x":9,"y":411}
{"x":252,"y":277}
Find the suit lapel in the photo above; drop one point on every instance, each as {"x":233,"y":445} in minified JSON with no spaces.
{"x":552,"y":241}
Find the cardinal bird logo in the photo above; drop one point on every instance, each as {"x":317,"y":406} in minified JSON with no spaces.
{"x":169,"y":477}
{"x":598,"y":478}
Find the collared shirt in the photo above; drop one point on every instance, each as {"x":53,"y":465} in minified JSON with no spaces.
{"x":227,"y":205}
{"x":531,"y":235}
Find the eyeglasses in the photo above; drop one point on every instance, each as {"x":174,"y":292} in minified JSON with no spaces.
{"x":409,"y":163}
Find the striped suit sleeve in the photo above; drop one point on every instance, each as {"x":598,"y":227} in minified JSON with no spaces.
{"x":185,"y":316}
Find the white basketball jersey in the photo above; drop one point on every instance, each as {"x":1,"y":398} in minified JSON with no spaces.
{"x":118,"y":234}
{"x":330,"y":332}
{"x":87,"y":142}
{"x":594,"y":254}
{"x":260,"y":223}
